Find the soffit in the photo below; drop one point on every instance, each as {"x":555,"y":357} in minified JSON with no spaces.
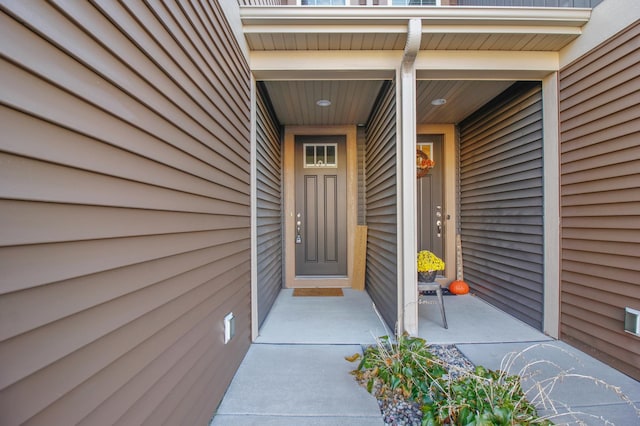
{"x":384,"y":28}
{"x":294,"y":102}
{"x":463,"y":97}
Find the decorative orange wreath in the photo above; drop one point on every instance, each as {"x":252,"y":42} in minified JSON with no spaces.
{"x":423,"y":163}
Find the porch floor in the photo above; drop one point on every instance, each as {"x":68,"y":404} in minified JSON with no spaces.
{"x":295,"y":374}
{"x":349,"y":319}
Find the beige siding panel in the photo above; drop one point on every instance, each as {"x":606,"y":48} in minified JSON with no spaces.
{"x":600,"y":200}
{"x":124,"y":205}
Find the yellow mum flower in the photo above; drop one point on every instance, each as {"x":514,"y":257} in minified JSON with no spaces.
{"x":428,"y":261}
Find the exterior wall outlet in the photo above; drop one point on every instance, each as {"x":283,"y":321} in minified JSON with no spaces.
{"x":229,"y":327}
{"x":632,"y":321}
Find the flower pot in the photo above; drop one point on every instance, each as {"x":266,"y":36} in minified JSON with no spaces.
{"x":427,"y":277}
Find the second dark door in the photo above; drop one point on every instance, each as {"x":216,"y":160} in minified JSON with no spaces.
{"x":429,"y":191}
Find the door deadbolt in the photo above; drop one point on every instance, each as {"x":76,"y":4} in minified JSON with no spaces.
{"x":298,"y":229}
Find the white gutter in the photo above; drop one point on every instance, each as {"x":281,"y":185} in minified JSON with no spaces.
{"x":406,"y":182}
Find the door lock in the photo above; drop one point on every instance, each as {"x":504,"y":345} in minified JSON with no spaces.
{"x":298,"y":229}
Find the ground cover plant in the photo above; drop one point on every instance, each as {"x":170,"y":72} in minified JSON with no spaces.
{"x":407,"y":368}
{"x":446,"y":394}
{"x":484,"y":397}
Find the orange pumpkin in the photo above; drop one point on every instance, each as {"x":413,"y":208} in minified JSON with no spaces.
{"x":459,"y":287}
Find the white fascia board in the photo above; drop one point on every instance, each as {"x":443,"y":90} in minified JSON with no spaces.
{"x":338,"y":28}
{"x":325,"y":29}
{"x":457,"y":15}
{"x":301,"y":65}
{"x":501,"y":29}
{"x":487,"y":61}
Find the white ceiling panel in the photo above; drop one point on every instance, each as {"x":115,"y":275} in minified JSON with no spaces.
{"x":462,"y":98}
{"x":294,"y":102}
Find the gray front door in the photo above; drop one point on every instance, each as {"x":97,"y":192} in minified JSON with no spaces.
{"x":430,"y":213}
{"x":321,"y":206}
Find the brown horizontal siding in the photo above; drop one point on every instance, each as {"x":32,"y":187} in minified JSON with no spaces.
{"x":124,"y":205}
{"x":600,"y":199}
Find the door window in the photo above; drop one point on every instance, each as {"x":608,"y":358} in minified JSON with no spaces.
{"x":321,"y":155}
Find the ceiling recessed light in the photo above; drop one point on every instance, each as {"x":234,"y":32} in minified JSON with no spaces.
{"x":438,"y":102}
{"x":323,"y":103}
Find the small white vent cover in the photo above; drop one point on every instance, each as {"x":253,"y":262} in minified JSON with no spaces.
{"x":632,"y":321}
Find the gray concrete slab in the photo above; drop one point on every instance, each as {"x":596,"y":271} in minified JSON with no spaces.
{"x":584,"y":389}
{"x":471,"y":320}
{"x":348,"y":319}
{"x":279,"y":384}
{"x":235,"y":420}
{"x":308,"y":383}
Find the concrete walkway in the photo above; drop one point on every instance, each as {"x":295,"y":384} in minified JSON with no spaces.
{"x":297,"y":385}
{"x":295,"y":373}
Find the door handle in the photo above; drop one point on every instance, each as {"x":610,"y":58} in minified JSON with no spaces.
{"x":298,"y":229}
{"x":439,"y":228}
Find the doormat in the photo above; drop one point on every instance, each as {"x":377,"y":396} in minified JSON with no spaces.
{"x":317,"y":292}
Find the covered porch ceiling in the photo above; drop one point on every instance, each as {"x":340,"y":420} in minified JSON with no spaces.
{"x":343,"y":54}
{"x":294,"y":102}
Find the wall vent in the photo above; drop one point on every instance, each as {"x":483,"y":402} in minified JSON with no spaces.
{"x":632,"y":321}
{"x":229,"y":327}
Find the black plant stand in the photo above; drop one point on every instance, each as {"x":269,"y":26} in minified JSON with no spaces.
{"x":434,"y":287}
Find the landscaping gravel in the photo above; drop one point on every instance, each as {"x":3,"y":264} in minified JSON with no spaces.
{"x":397,"y":411}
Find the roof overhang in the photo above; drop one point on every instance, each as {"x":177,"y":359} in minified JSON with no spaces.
{"x":385,"y":28}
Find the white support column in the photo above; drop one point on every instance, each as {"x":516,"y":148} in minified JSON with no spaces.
{"x":407,"y":225}
{"x":551,"y":155}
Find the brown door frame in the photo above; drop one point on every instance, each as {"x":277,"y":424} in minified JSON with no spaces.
{"x":290,"y":132}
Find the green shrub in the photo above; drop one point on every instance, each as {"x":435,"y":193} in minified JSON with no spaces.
{"x":406,"y":367}
{"x":484,"y":397}
{"x":409,"y":369}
